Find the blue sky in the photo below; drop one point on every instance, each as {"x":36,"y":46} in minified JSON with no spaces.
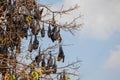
{"x":98,"y":42}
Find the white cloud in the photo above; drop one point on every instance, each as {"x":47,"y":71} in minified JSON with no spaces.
{"x":101,"y":17}
{"x":114,"y":59}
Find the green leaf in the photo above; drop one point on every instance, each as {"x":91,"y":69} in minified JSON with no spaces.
{"x":67,"y":78}
{"x":13,"y":77}
{"x":27,"y":57}
{"x":34,"y":74}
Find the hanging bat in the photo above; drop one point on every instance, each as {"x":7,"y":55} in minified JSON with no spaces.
{"x":25,"y":32}
{"x":38,"y":58}
{"x":30,"y":46}
{"x":49,"y":31}
{"x":61,"y":54}
{"x":64,"y":75}
{"x":50,"y":61}
{"x":54,"y":30}
{"x":40,"y":14}
{"x":61,"y":77}
{"x":58,"y":36}
{"x":54,"y":66}
{"x":32,"y":27}
{"x":43,"y":31}
{"x":36,"y":13}
{"x":37,"y":28}
{"x":43,"y":64}
{"x":35,"y":43}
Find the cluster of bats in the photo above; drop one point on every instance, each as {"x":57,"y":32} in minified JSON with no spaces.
{"x":50,"y":62}
{"x":18,"y":18}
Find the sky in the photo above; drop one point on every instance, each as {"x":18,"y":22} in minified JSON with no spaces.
{"x":97,"y":44}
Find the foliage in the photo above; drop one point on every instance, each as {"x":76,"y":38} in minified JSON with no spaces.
{"x":26,"y":19}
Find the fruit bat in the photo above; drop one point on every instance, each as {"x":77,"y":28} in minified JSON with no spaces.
{"x":53,"y":20}
{"x":61,"y":54}
{"x":30,"y":46}
{"x":61,"y":77}
{"x":43,"y":64}
{"x":53,"y":34}
{"x":32,"y":26}
{"x":43,"y":31}
{"x":50,"y":61}
{"x":25,"y":32}
{"x":35,"y":43}
{"x":54,"y":66}
{"x":64,"y":76}
{"x":36,"y":13}
{"x":59,"y":38}
{"x":38,"y":58}
{"x":37,"y":28}
{"x":54,"y":29}
{"x":11,"y":46}
{"x":49,"y":31}
{"x":40,"y":13}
